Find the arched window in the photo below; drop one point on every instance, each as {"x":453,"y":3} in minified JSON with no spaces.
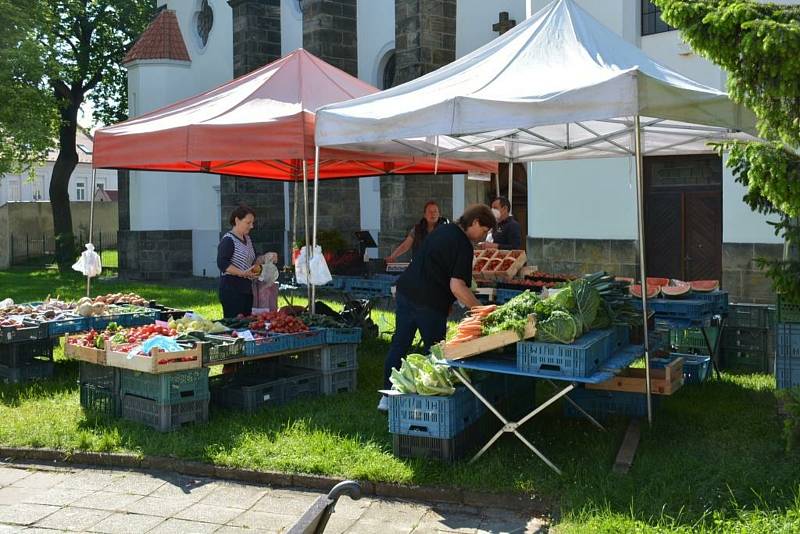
{"x":387,"y":74}
{"x":204,"y":22}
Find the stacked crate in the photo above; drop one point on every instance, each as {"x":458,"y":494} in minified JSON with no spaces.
{"x":448,"y":428}
{"x":329,"y":370}
{"x":21,"y":361}
{"x":747,"y":340}
{"x":99,"y":389}
{"x":787,"y":344}
{"x":165,"y":401}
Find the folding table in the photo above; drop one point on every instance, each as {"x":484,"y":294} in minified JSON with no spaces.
{"x":507,"y":364}
{"x":702,"y":324}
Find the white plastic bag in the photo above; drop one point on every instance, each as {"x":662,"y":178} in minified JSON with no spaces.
{"x":89,"y":263}
{"x":269,"y":272}
{"x":320,"y":275}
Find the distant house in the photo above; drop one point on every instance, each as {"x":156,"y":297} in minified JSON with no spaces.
{"x":21,"y":188}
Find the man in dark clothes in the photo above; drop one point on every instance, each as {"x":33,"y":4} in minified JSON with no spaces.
{"x":438,"y":275}
{"x":508,"y":235}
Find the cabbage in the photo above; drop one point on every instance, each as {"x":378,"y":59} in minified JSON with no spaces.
{"x":560,"y":327}
{"x":587,"y":303}
{"x":422,"y":375}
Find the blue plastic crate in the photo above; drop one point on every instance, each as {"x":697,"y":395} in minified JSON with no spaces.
{"x":578,"y":359}
{"x":432,"y":417}
{"x":787,"y":356}
{"x":696,"y":368}
{"x":267,"y":345}
{"x":602,"y":404}
{"x":622,"y":336}
{"x":29,"y":331}
{"x":682,"y":309}
{"x":334,"y":336}
{"x":303,"y":340}
{"x":68,"y":326}
{"x":125,"y":319}
{"x":502,"y":296}
{"x":719,"y":299}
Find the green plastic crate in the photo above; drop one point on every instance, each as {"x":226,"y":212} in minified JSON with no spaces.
{"x":99,"y":401}
{"x":753,"y":361}
{"x":788,"y":312}
{"x":692,"y":339}
{"x":166,"y":388}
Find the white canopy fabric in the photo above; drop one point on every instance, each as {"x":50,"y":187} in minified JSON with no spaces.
{"x":560,"y":85}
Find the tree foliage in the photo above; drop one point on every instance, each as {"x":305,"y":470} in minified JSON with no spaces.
{"x":27,"y":108}
{"x":58,"y":54}
{"x":758,"y":44}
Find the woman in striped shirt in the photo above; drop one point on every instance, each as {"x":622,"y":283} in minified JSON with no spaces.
{"x":236,"y":259}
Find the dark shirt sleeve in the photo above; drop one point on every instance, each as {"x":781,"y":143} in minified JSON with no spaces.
{"x":513,"y":237}
{"x":224,"y":254}
{"x":463,"y":265}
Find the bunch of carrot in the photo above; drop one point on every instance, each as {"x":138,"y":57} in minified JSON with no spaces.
{"x":470,"y":328}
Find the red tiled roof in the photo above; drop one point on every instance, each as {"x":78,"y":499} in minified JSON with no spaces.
{"x":161,"y":40}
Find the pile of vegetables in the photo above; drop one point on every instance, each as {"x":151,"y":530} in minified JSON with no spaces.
{"x":513,"y":315}
{"x":471,"y":327}
{"x":423,"y":375}
{"x":117,"y":336}
{"x":187,"y":324}
{"x":320,"y":321}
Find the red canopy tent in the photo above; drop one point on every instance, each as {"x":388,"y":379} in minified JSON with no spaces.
{"x":260,"y":125}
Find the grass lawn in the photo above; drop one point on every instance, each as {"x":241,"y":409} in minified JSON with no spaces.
{"x":713,"y":460}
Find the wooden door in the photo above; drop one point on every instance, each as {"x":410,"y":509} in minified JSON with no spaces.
{"x":683,"y":217}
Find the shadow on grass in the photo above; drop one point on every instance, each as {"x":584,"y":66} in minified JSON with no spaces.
{"x":713,"y":448}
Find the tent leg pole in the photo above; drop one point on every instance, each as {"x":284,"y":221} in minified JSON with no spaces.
{"x":91,"y":223}
{"x":510,"y":183}
{"x":642,"y":265}
{"x":316,"y":211}
{"x":308,"y":241}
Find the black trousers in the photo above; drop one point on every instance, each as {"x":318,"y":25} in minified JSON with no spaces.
{"x":235,"y":302}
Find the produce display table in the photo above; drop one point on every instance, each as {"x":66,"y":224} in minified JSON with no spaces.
{"x":508,"y":365}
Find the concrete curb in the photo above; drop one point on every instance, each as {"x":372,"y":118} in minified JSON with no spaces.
{"x":426,"y":494}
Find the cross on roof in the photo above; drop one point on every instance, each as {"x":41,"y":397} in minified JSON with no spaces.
{"x":503,"y":24}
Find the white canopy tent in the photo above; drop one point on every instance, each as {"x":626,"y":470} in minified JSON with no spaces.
{"x":560,"y":85}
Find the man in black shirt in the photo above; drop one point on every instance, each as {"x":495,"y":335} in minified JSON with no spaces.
{"x":436,"y":277}
{"x":508,"y":235}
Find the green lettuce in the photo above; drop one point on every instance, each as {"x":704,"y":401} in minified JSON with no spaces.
{"x":560,"y":327}
{"x":423,"y":375}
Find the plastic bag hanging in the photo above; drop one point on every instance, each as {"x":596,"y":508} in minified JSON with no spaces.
{"x":319,"y":275}
{"x":89,"y":263}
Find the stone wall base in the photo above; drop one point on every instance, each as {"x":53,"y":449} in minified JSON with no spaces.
{"x":741,"y":276}
{"x":155,"y":254}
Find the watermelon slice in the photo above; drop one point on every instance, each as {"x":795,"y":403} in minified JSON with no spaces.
{"x":652,"y":291}
{"x":657,"y":281}
{"x":705,"y":286}
{"x":623,"y":279}
{"x":676,"y":290}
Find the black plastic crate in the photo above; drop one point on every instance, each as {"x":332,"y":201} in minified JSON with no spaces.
{"x":300,"y":383}
{"x":99,"y":401}
{"x":603,"y":404}
{"x":165,"y":388}
{"x":341,"y":381}
{"x":164,"y":417}
{"x":248,"y":393}
{"x":28,"y":331}
{"x":100,"y":376}
{"x":34,"y":369}
{"x":749,"y":316}
{"x":19,"y":353}
{"x":446,"y":450}
{"x":754,"y":361}
{"x":746,"y":339}
{"x":326,"y":359}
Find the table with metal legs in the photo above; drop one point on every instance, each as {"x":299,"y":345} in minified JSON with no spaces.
{"x":508,"y":365}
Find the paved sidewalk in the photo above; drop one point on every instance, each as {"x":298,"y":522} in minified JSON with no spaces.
{"x":46,"y":498}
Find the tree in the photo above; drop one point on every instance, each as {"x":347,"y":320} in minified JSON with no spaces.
{"x":27,"y":113}
{"x":759,"y":46}
{"x":80,"y":45}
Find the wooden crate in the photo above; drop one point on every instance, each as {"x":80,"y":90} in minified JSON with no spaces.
{"x":85,"y":354}
{"x":149,"y":364}
{"x":487,"y":343}
{"x":493,"y":271}
{"x":663,"y":381}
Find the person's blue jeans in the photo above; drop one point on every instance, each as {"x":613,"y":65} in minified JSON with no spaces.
{"x":410,"y":317}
